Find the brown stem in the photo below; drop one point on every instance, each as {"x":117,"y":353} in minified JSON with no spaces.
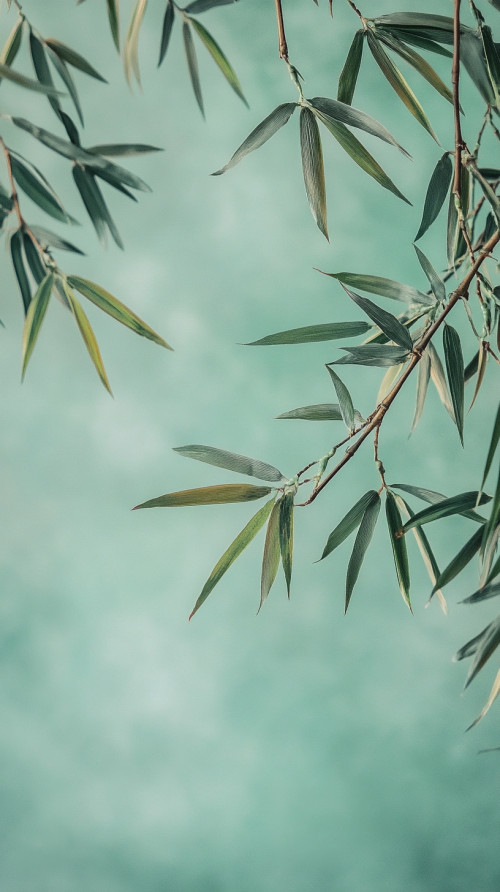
{"x":282,"y":44}
{"x":356,"y":10}
{"x":13,"y":189}
{"x":379,"y":413}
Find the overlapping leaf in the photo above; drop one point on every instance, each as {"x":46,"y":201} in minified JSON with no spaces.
{"x":272,"y":553}
{"x":384,"y":287}
{"x":349,"y":522}
{"x":219,"y":58}
{"x":460,"y":560}
{"x":376,"y":355}
{"x":455,"y":371}
{"x":387,"y":323}
{"x":344,"y":398}
{"x":286,"y":535}
{"x":88,"y":336}
{"x":34,"y":318}
{"x":446,"y":508}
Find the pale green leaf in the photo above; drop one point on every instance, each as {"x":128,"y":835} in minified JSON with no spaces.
{"x":318,"y":412}
{"x":12,"y":44}
{"x":34,"y":318}
{"x":49,"y":239}
{"x":222,"y":494}
{"x":439,"y":380}
{"x":423,"y":376}
{"x":131,"y":48}
{"x":272,"y":553}
{"x":219,"y":58}
{"x":375,"y":355}
{"x":417,"y":62}
{"x":310,"y":334}
{"x":264,"y":131}
{"x":88,"y":336}
{"x":231,"y":461}
{"x":312,"y":168}
{"x":22,"y":81}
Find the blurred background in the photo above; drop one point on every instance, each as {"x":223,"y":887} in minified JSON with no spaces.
{"x":300,"y":749}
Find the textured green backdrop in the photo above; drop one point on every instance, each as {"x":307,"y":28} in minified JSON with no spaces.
{"x":299,"y":751}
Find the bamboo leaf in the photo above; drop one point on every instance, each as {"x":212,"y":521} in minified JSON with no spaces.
{"x":482,"y":363}
{"x":491,"y":525}
{"x":359,"y":154}
{"x":27,"y":82}
{"x":349,"y":522}
{"x":376,"y":355}
{"x":486,"y":647}
{"x":419,"y":20}
{"x":483,"y":594}
{"x":121,"y":149}
{"x":235,"y":549}
{"x":232,"y":461}
{"x":471,"y":647}
{"x":16,"y":252}
{"x":12,"y":44}
{"x":111,"y":305}
{"x":425,"y":551}
{"x":473,"y":59}
{"x":345,"y":401}
{"x":88,"y":336}
{"x":420,"y":65}
{"x":420,"y":39}
{"x":422,"y":384}
{"x":398,"y":83}
{"x":361,"y":543}
{"x":131,"y":50}
{"x":69,"y":55}
{"x":318,"y":412}
{"x":455,"y":243}
{"x":384,"y":287}
{"x":446,"y":508}
{"x":437,"y":285}
{"x":433,"y":498}
{"x":95,"y":205}
{"x":312,"y":168}
{"x":495,"y":437}
{"x":35,"y":262}
{"x":387,"y":323}
{"x":264,"y":131}
{"x":34,"y":318}
{"x":286,"y":535}
{"x":437,"y":191}
{"x":42,"y":71}
{"x":349,"y":74}
{"x":495,"y":690}
{"x":455,"y":371}
{"x":192,"y":63}
{"x":398,"y":544}
{"x":310,"y":334}
{"x":439,"y":380}
{"x":199,"y":6}
{"x":272,"y":553}
{"x":219,"y":58}
{"x":168,"y":22}
{"x":49,"y":239}
{"x":34,"y":184}
{"x":460,"y":560}
{"x":224,"y":493}
{"x":344,"y":113}
{"x":114,"y":21}
{"x":65,"y":75}
{"x":388,"y":379}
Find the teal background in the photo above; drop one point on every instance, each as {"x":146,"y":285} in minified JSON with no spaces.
{"x":299,"y":750}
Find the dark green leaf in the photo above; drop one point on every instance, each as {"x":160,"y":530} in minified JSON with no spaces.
{"x":41,"y":67}
{"x":192,"y":63}
{"x":455,"y":371}
{"x":420,"y":39}
{"x":349,"y":74}
{"x":486,"y":647}
{"x":168,"y":21}
{"x":418,"y":20}
{"x":482,"y":594}
{"x":433,"y":498}
{"x":272,"y":553}
{"x":384,"y":287}
{"x":495,"y":690}
{"x":387,"y":323}
{"x":490,"y":527}
{"x":199,"y":6}
{"x":437,"y":285}
{"x":482,"y":363}
{"x":344,"y":398}
{"x":437,"y":191}
{"x":472,"y":367}
{"x":67,"y":54}
{"x":286,"y":536}
{"x":473,"y":59}
{"x":235,"y":549}
{"x":105,"y":301}
{"x":447,"y":507}
{"x":420,"y":65}
{"x":349,"y":522}
{"x":95,"y":205}
{"x":232,"y":461}
{"x":121,"y":149}
{"x":424,"y":548}
{"x":16,"y":251}
{"x":495,"y":437}
{"x":219,"y":58}
{"x":312,"y":167}
{"x":314,"y":333}
{"x":34,"y":318}
{"x":114,"y":21}
{"x":460,"y":560}
{"x":319,"y":412}
{"x":267,"y":128}
{"x":361,"y":543}
{"x":49,"y":239}
{"x":343,"y":113}
{"x":12,"y":44}
{"x":377,"y":355}
{"x":422,"y":384}
{"x":33,"y":182}
{"x":35,"y":262}
{"x":398,"y":543}
{"x":88,"y":336}
{"x":65,"y":75}
{"x":209,"y":495}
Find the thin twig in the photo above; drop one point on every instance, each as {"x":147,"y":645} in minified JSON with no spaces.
{"x":282,"y":44}
{"x":13,"y":189}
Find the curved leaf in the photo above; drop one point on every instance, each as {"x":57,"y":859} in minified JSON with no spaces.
{"x":192,"y":63}
{"x":486,"y":647}
{"x":231,"y":461}
{"x":422,"y":384}
{"x":34,"y":318}
{"x":312,"y":168}
{"x":16,"y":252}
{"x":384,"y":287}
{"x":398,"y":544}
{"x":488,"y":591}
{"x":460,"y":560}
{"x":387,"y":323}
{"x":361,"y":543}
{"x":69,"y":55}
{"x":344,"y":398}
{"x":222,"y":494}
{"x":437,"y":285}
{"x":455,"y":370}
{"x":95,"y":205}
{"x":65,"y":75}
{"x":267,"y":128}
{"x":439,"y":381}
{"x":114,"y":21}
{"x":88,"y":336}
{"x":353,"y":117}
{"x":349,"y":74}
{"x":49,"y":239}
{"x":318,"y":412}
{"x":495,"y":438}
{"x":349,"y":522}
{"x":437,"y":191}
{"x":166,"y":31}
{"x":445,"y":508}
{"x":219,"y":58}
{"x":310,"y":334}
{"x":420,"y":65}
{"x":12,"y":44}
{"x":131,"y":49}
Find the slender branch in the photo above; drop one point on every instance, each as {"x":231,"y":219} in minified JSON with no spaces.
{"x":13,"y":189}
{"x":379,"y":413}
{"x":282,"y":44}
{"x":455,"y":81}
{"x":356,"y":10}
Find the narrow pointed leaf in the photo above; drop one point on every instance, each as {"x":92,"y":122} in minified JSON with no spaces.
{"x":16,"y":251}
{"x":41,"y":67}
{"x":345,"y":114}
{"x":222,"y":494}
{"x":310,"y":334}
{"x":318,"y":412}
{"x":286,"y":536}
{"x":36,"y":263}
{"x":34,"y":184}
{"x":493,"y":522}
{"x":473,"y":59}
{"x":344,"y":398}
{"x":495,"y":437}
{"x":349,"y":522}
{"x":387,"y":323}
{"x":312,"y":168}
{"x":486,"y":648}
{"x":418,"y":20}
{"x":471,"y":647}
{"x":88,"y":336}
{"x":483,"y":594}
{"x":264,"y":131}
{"x":51,"y":240}
{"x":199,"y":6}
{"x":95,"y":205}
{"x":111,"y":305}
{"x":235,"y":549}
{"x":439,"y":380}
{"x":376,"y":355}
{"x":272,"y":553}
{"x":460,"y":560}
{"x":420,"y":64}
{"x":495,"y":690}
{"x":455,"y":371}
{"x":121,"y":149}
{"x":22,"y":81}
{"x":420,"y":39}
{"x":384,"y":287}
{"x":437,"y":285}
{"x":388,"y":379}
{"x":13,"y":43}
{"x":434,"y":498}
{"x":131,"y":49}
{"x":482,"y":363}
{"x":232,"y":461}
{"x":423,"y":376}
{"x":114,"y":21}
{"x":398,"y":83}
{"x":219,"y":58}
{"x":437,"y":191}
{"x":447,"y":507}
{"x":349,"y":74}
{"x":359,"y":154}
{"x":361,"y":543}
{"x":69,"y":55}
{"x":425,"y":551}
{"x":65,"y":75}
{"x":192,"y":63}
{"x":398,"y":544}
{"x":34,"y":318}
{"x":455,"y":243}
{"x":168,"y":21}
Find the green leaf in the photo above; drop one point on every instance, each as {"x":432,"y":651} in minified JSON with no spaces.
{"x":35,"y":262}
{"x":460,"y":560}
{"x":95,"y":205}
{"x":349,"y":522}
{"x":235,"y":549}
{"x":50,"y":239}
{"x":447,"y":507}
{"x":219,"y":58}
{"x":310,"y":334}
{"x":495,"y":690}
{"x":272,"y":553}
{"x":34,"y":318}
{"x":344,"y":398}
{"x":42,"y":71}
{"x":312,"y":168}
{"x":398,"y":544}
{"x":121,"y":149}
{"x":495,"y":437}
{"x":12,"y":44}
{"x":420,"y":65}
{"x":17,"y":78}
{"x":376,"y":355}
{"x":88,"y":336}
{"x":34,"y":184}
{"x":349,"y":74}
{"x":433,"y":498}
{"x":439,"y":381}
{"x":425,"y":551}
{"x":418,"y":38}
{"x":437,"y":191}
{"x":437,"y":285}
{"x":232,"y":461}
{"x":114,"y":21}
{"x":131,"y":49}
{"x":69,"y":55}
{"x":344,"y":113}
{"x":384,"y":287}
{"x":199,"y":6}
{"x":387,"y":323}
{"x":318,"y":412}
{"x":486,"y":647}
{"x":482,"y":363}
{"x":286,"y":536}
{"x":192,"y":63}
{"x":467,"y":650}
{"x":455,"y":371}
{"x":16,"y":251}
{"x":361,"y":543}
{"x":208,"y":495}
{"x":111,"y":305}
{"x":473,"y":59}
{"x":168,"y":21}
{"x":490,"y":527}
{"x":482,"y":594}
{"x":418,"y":20}
{"x":422,"y":384}
{"x":398,"y":83}
{"x":65,"y":75}
{"x":264,"y":131}
{"x":359,"y":154}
